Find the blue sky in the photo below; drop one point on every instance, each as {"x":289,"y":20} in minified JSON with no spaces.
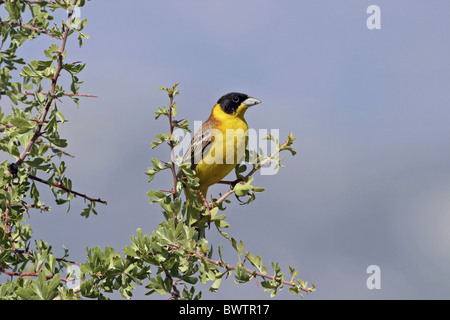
{"x":369,"y":108}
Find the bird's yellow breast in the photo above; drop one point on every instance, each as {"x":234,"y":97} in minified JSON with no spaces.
{"x":229,"y":141}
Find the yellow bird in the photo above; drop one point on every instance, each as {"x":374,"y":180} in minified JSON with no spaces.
{"x":219,"y":145}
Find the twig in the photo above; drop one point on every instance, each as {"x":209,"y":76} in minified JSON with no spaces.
{"x":50,"y":98}
{"x":172,"y":155}
{"x":31,"y":93}
{"x":222,"y":198}
{"x":57,"y":149}
{"x":232,"y":268}
{"x":207,"y":207}
{"x":254,"y":272}
{"x":7,"y":125}
{"x":28,"y":274}
{"x":176,"y":293}
{"x":7,"y":230}
{"x":255,"y":168}
{"x":26,"y":26}
{"x":60,"y":186}
{"x":172,"y":152}
{"x":225,"y":182}
{"x":43,"y":208}
{"x":32,"y":1}
{"x":23,"y":251}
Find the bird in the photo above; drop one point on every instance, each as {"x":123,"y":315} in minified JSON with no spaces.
{"x":219,"y":145}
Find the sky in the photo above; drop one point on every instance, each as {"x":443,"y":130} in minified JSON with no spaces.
{"x":370,"y":183}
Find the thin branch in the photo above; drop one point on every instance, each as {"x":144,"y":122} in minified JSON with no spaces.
{"x":254,"y":272}
{"x":60,"y":186}
{"x":225,"y":182}
{"x":176,"y":293}
{"x":6,"y":218}
{"x":26,"y":26}
{"x":50,"y":98}
{"x":7,"y":126}
{"x":232,"y":268}
{"x":57,"y":150}
{"x":43,"y":208}
{"x":32,"y":1}
{"x":22,"y":251}
{"x":207,"y":207}
{"x":255,"y":168}
{"x":231,"y":191}
{"x":172,"y":153}
{"x":28,"y":274}
{"x":222,"y":198}
{"x":30,"y":93}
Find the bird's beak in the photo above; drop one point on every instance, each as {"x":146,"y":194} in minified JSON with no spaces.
{"x":251,"y":101}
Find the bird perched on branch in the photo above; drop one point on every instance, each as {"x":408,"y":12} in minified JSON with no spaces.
{"x":219,"y":145}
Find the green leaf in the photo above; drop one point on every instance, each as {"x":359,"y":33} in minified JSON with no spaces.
{"x":242,"y":189}
{"x":21,"y":123}
{"x":41,"y":65}
{"x":13,"y":9}
{"x":215,"y":286}
{"x":56,"y":140}
{"x":60,"y":116}
{"x":161,"y":111}
{"x":52,"y":52}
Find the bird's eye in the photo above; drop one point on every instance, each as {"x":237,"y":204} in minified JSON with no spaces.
{"x":236,"y":99}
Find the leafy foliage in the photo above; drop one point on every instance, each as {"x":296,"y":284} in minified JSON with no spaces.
{"x":171,"y":260}
{"x":174,"y":255}
{"x":32,"y":145}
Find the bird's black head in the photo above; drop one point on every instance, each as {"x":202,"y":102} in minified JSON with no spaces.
{"x":231,"y":101}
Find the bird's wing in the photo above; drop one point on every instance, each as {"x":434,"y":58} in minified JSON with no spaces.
{"x":200,"y":144}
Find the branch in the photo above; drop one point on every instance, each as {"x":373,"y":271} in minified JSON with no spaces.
{"x":22,"y":251}
{"x":172,"y":93}
{"x":231,"y":268}
{"x":57,"y":150}
{"x":176,"y":293}
{"x":43,"y":208}
{"x":172,"y":153}
{"x":26,"y":26}
{"x":28,"y":274}
{"x":255,"y":168}
{"x":32,"y":1}
{"x":7,"y":230}
{"x":254,"y":272}
{"x":60,"y":186}
{"x":50,"y":97}
{"x":32,"y":93}
{"x":7,"y":126}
